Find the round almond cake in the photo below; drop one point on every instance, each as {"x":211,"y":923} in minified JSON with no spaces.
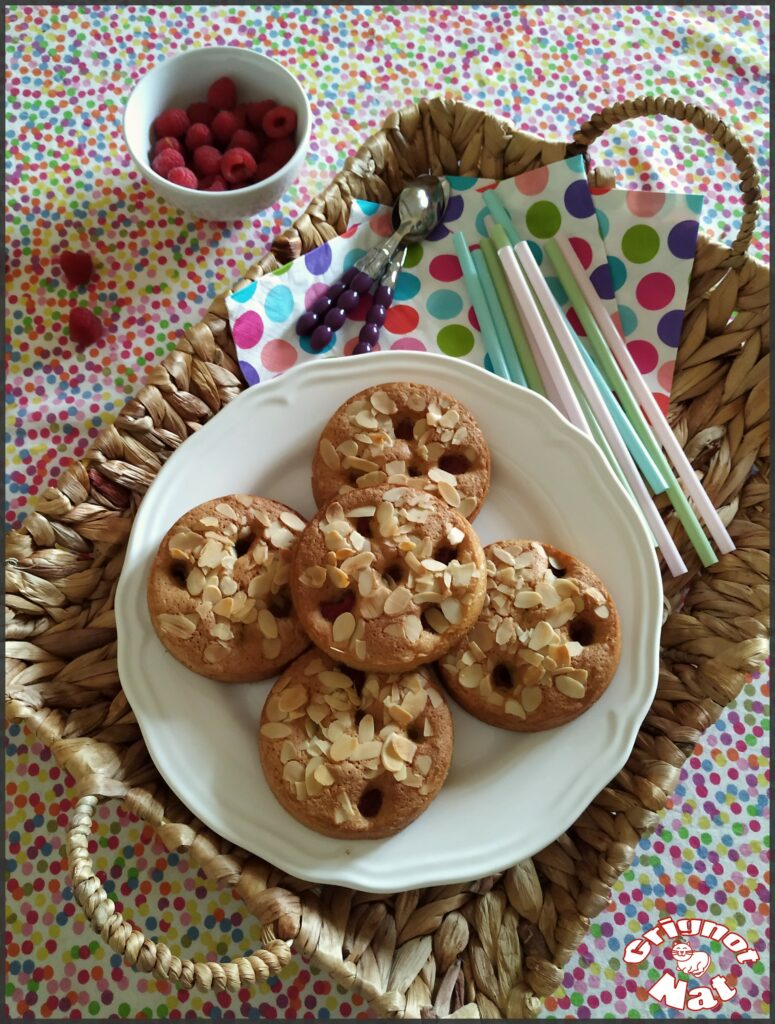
{"x":354,"y":754}
{"x":218,"y":590}
{"x":546,"y":645}
{"x":388,"y":578}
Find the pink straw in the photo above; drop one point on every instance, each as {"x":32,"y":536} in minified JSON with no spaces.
{"x":647,"y":402}
{"x":558,"y":389}
{"x":672,"y":556}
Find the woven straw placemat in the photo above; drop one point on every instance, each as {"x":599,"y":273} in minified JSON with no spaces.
{"x":490,"y":948}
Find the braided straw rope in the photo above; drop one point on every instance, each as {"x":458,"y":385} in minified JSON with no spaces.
{"x":491,"y":948}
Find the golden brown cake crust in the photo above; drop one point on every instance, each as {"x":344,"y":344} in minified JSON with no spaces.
{"x":352,"y":754}
{"x":218,"y":590}
{"x":388,"y":578}
{"x":403,"y":433}
{"x":546,"y":645}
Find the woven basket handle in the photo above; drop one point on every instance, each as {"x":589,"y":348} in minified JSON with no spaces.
{"x":690,"y":113}
{"x":137,"y":950}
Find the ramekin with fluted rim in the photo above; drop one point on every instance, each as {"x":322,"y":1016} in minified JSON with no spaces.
{"x":184,"y":79}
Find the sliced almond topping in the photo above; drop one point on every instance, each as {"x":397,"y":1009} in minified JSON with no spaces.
{"x":365,"y":418}
{"x":397,"y":601}
{"x":260,"y":586}
{"x":601,"y":611}
{"x":280,"y":537}
{"x":412,"y":628}
{"x":404,"y":747}
{"x":224,"y":607}
{"x":287,"y":752}
{"x":531,"y":657}
{"x":267,"y":623}
{"x":455,"y":535}
{"x":272,"y":648}
{"x":343,"y":627}
{"x":195,"y":582}
{"x":292,"y":698}
{"x":342,"y":747}
{"x":293,"y":771}
{"x":225,"y":509}
{"x":427,"y":729}
{"x":212,"y":653}
{"x":531,"y":697}
{"x":366,"y":751}
{"x":570,"y":687}
{"x":573,"y":648}
{"x":361,"y":464}
{"x":470,"y":676}
{"x":513,"y":707}
{"x":395,"y":629}
{"x":528,"y":599}
{"x":221,"y":631}
{"x":291,"y":520}
{"x":467,"y":506}
{"x":275,"y":730}
{"x":176,"y":625}
{"x":389,"y":757}
{"x":452,"y":610}
{"x":260,"y":553}
{"x":449,"y":493}
{"x":329,"y":454}
{"x":422,"y":763}
{"x":383,"y":403}
{"x":323,"y":775}
{"x":186,"y":541}
{"x":366,"y":729}
{"x":524,"y":560}
{"x":541,"y":636}
{"x":210,"y":555}
{"x":373,"y":479}
{"x":337,"y":577}
{"x":313,"y":576}
{"x":505,"y":632}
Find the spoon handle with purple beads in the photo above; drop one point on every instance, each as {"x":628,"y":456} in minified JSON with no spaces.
{"x":383,"y":298}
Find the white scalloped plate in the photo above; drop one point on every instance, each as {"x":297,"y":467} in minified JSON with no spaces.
{"x":507,"y":795}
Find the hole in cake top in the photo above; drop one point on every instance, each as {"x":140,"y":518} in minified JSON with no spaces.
{"x":501,"y":677}
{"x":393,"y":574}
{"x":558,"y":570}
{"x":242,"y":544}
{"x":344,"y":603}
{"x":582,"y":630}
{"x":413,"y":471}
{"x":281,"y":605}
{"x":363,"y":526}
{"x":446,"y":554}
{"x":455,"y":463}
{"x":179,"y":573}
{"x":357,"y":678}
{"x":370,"y":803}
{"x":404,"y":430}
{"x":415,"y":732}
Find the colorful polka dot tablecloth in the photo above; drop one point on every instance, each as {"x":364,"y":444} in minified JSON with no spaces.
{"x":71,"y":186}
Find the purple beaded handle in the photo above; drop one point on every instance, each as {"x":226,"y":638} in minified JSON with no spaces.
{"x":383,"y":298}
{"x":329,"y":312}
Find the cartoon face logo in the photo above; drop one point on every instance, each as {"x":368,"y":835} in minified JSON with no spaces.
{"x":690,"y":961}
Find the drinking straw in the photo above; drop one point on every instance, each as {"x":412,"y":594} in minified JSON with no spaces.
{"x":648,"y":403}
{"x":635,"y":446}
{"x":498,"y":318}
{"x":558,"y":388}
{"x":476,"y":294}
{"x":501,"y":216}
{"x":617,"y":382}
{"x":562,"y":333}
{"x":489,"y":247}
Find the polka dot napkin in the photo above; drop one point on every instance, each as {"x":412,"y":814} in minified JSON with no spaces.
{"x":431,"y":310}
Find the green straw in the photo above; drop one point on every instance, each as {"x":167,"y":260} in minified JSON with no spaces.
{"x":617,"y":382}
{"x":498,"y":319}
{"x":476,"y":294}
{"x":501,"y":216}
{"x":510,"y":312}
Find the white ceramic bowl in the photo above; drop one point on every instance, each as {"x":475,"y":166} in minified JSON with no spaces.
{"x":184,"y":79}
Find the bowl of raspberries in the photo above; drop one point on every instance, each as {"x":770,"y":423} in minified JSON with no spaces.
{"x":219,"y":132}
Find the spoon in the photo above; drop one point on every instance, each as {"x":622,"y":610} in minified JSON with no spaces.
{"x":418,"y":209}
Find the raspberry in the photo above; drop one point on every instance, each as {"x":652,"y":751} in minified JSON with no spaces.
{"x":168,"y":142}
{"x":182,"y":176}
{"x":237,"y":166}
{"x":279,"y":122}
{"x":264,"y":170}
{"x":207,"y":160}
{"x":172,"y":121}
{"x":243,"y":139}
{"x":166,"y":160}
{"x":279,"y":151}
{"x":201,"y":113}
{"x":77,"y":267}
{"x":222,"y":94}
{"x":198,"y":135}
{"x":85,"y":327}
{"x":256,"y":111}
{"x":225,"y":124}
{"x":212,"y":183}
